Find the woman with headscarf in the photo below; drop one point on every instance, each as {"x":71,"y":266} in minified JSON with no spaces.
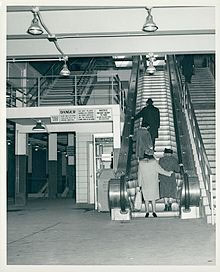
{"x":168,"y":186}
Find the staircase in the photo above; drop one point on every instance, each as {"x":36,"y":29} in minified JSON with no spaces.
{"x":156,"y":87}
{"x":59,"y":93}
{"x":202,"y":93}
{"x":72,"y":90}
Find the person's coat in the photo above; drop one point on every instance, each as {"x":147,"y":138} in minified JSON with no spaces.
{"x":144,"y":143}
{"x":148,"y":180}
{"x":187,"y":64}
{"x":151,"y":117}
{"x":168,"y":187}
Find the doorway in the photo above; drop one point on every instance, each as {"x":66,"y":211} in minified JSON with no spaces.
{"x":103,"y":168}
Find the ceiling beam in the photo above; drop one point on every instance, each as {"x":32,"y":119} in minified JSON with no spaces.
{"x":110,"y":46}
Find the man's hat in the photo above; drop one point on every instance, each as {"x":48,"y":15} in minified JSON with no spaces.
{"x":168,"y":150}
{"x":149,"y":101}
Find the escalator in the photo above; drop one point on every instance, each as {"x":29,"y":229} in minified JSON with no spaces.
{"x":122,"y":188}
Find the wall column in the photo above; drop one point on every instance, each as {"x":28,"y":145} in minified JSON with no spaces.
{"x":59,"y":173}
{"x":29,"y":170}
{"x":83,"y":162}
{"x":64,"y":169}
{"x":20,"y":167}
{"x":71,"y":167}
{"x":52,"y":165}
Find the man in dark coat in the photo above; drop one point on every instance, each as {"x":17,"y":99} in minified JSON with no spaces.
{"x":187,"y":64}
{"x":150,"y":117}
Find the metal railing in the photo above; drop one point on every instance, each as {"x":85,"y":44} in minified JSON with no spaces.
{"x":77,"y":90}
{"x":211,"y":64}
{"x":206,"y":171}
{"x":15,"y":96}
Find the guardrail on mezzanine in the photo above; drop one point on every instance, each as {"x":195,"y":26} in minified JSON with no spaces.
{"x":106,"y":89}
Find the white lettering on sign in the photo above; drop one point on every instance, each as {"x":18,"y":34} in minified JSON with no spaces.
{"x":86,"y":115}
{"x":68,"y":111}
{"x":82,"y":115}
{"x":67,"y":115}
{"x":54,"y":119}
{"x":67,"y":118}
{"x":103,"y":114}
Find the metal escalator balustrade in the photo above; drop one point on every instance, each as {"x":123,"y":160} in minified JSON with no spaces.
{"x":117,"y":189}
{"x":190,"y":194}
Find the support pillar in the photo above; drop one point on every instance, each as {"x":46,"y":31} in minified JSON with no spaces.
{"x":71,"y":169}
{"x":11,"y":171}
{"x":59,"y":173}
{"x":64,"y":166}
{"x":52,"y":166}
{"x":20,"y":168}
{"x":29,"y":170}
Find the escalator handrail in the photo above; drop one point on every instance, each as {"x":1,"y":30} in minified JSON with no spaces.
{"x":126,"y":146}
{"x":183,"y":173}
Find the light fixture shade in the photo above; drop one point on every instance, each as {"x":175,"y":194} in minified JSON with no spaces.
{"x":65,"y":71}
{"x":151,"y":69}
{"x":149,"y":25}
{"x":39,"y":126}
{"x":35,"y":28}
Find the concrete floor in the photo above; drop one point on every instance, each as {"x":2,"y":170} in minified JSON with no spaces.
{"x":59,"y":232}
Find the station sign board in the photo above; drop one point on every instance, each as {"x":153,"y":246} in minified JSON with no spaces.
{"x":82,"y":115}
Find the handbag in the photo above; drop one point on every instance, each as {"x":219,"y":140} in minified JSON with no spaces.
{"x":138,"y":201}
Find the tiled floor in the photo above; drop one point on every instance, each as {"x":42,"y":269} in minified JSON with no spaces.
{"x":57,"y":232}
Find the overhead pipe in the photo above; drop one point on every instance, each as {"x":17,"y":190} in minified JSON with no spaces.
{"x":61,"y":8}
{"x":27,"y":60}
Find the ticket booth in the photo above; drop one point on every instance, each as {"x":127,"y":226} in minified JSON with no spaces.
{"x":103,"y":168}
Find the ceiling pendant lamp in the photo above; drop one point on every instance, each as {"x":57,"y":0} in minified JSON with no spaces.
{"x":65,"y":71}
{"x":39,"y":126}
{"x":149,"y":25}
{"x":35,"y":28}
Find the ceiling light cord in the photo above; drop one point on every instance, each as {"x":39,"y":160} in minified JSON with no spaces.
{"x":49,"y":33}
{"x":42,"y":23}
{"x":51,"y":36}
{"x":58,"y":48}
